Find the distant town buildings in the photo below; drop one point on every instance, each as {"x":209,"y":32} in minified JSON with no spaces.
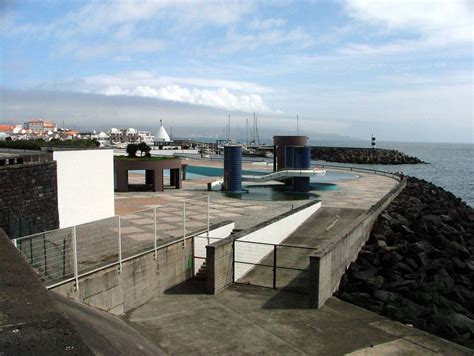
{"x":48,"y":130}
{"x":39,"y":126}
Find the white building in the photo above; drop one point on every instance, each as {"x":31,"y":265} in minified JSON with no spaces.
{"x":162,"y":135}
{"x":80,"y":199}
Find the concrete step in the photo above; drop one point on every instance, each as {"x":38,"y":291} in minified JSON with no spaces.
{"x":202,"y":273}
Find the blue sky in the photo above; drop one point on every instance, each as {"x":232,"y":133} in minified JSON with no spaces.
{"x":400,"y":69}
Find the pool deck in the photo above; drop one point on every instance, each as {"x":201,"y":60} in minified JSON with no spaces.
{"x":358,"y":193}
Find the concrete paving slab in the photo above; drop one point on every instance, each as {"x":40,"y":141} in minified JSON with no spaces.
{"x":250,"y":320}
{"x":397,"y":347}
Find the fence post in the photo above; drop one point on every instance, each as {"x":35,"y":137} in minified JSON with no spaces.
{"x":208,"y":239}
{"x":44,"y":255}
{"x":74,"y":251}
{"x":233,"y":261}
{"x":120,"y":244}
{"x":155,"y":232}
{"x":274,"y":266}
{"x":31,"y":249}
{"x":184,"y":224}
{"x":64,"y":256}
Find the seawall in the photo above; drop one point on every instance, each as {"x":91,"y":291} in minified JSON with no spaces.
{"x":329,"y":263}
{"x":361,"y":155}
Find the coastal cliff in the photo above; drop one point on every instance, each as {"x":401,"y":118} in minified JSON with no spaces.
{"x":361,"y":155}
{"x":418,"y":264}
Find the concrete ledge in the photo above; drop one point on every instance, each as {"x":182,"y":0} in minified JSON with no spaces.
{"x":329,"y":264}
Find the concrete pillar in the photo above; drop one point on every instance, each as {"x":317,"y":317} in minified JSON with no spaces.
{"x":175,"y":178}
{"x":158,"y":180}
{"x":220,"y":265}
{"x":183,"y":168}
{"x":210,"y":271}
{"x":122,"y":180}
{"x":319,"y":288}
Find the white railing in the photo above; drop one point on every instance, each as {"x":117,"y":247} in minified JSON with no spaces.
{"x":66,"y":254}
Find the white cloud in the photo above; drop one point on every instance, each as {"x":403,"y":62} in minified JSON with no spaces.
{"x":266,"y":24}
{"x":147,"y":78}
{"x":236,"y":41}
{"x":123,"y":24}
{"x":447,"y":21}
{"x":219,"y":98}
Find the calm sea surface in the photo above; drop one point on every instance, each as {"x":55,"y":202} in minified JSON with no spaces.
{"x":451,"y":166}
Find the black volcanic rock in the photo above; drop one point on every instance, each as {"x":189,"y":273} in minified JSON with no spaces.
{"x":418,"y":264}
{"x":362,"y":155}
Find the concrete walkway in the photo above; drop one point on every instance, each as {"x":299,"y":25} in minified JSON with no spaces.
{"x":248,"y":320}
{"x":338,"y":212}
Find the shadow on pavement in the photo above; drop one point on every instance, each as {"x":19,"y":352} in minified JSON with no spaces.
{"x":190,"y":287}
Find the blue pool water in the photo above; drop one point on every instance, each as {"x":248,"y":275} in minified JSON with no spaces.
{"x":196,"y":172}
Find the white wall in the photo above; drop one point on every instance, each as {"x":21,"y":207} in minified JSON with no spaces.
{"x":271,"y":234}
{"x":85,"y":186}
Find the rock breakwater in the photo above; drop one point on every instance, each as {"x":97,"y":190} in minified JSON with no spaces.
{"x":361,"y":155}
{"x":418,"y":264}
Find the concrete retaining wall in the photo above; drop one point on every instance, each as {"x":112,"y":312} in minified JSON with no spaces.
{"x":140,"y":279}
{"x":28,"y":198}
{"x":329,"y":264}
{"x":220,"y":254}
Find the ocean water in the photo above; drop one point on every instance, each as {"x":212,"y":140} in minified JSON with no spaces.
{"x":451,"y":166}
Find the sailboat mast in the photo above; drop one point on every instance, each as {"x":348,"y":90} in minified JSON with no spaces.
{"x":247,"y":130}
{"x":297,"y":125}
{"x":256,"y":130}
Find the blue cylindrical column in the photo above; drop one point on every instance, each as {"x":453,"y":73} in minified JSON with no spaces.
{"x":302,"y":157}
{"x":233,"y":168}
{"x":289,"y":156}
{"x":301,"y":160}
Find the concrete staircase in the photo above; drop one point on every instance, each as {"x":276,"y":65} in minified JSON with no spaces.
{"x":202,"y":273}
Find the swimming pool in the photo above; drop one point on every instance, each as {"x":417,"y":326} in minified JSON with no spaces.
{"x":197,"y":172}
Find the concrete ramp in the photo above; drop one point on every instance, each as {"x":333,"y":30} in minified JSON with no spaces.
{"x":103,"y":332}
{"x":283,"y":174}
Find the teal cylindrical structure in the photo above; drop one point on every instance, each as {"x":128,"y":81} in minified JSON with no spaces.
{"x":233,"y":168}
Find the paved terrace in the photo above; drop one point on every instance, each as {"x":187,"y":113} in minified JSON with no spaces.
{"x":357,"y":194}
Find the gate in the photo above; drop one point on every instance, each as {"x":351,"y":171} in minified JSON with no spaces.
{"x":273,"y":266}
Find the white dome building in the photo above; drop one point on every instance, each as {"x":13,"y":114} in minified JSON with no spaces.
{"x":162,"y":135}
{"x":131,"y":131}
